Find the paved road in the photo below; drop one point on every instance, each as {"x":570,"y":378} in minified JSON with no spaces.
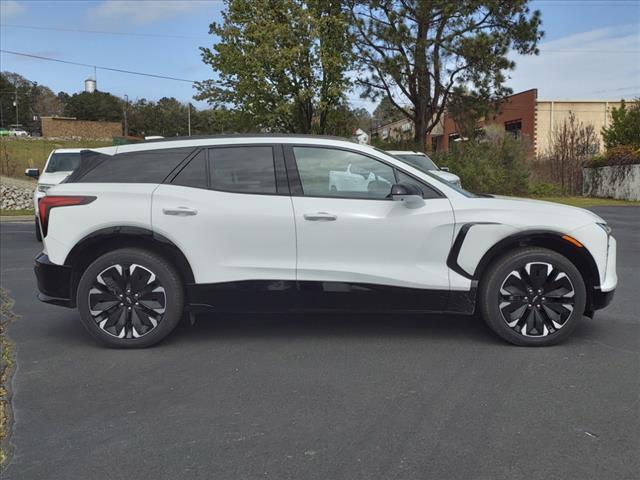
{"x":307,"y":397}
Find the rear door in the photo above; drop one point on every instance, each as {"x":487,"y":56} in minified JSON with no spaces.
{"x":229,"y":211}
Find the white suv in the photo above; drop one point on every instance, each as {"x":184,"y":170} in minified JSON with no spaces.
{"x":138,"y":235}
{"x":61,"y":162}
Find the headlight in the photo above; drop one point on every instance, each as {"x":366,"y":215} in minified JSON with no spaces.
{"x":605,"y":227}
{"x":43,"y":187}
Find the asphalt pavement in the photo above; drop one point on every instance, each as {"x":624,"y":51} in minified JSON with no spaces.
{"x":315,"y":397}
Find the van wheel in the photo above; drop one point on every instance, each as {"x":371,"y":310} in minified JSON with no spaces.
{"x":38,"y":234}
{"x":130,"y":298}
{"x":532,"y":297}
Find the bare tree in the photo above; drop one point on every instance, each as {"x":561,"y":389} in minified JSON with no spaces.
{"x":572,"y":144}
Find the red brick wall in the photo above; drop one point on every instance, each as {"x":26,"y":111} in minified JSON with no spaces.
{"x":521,"y":106}
{"x":71,"y":128}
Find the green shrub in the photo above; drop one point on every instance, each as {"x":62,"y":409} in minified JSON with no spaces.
{"x":620,"y":155}
{"x":496,"y":163}
{"x":624,"y":128}
{"x":544,"y":189}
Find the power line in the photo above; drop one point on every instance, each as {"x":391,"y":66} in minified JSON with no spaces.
{"x":104,"y":32}
{"x":111,"y":69}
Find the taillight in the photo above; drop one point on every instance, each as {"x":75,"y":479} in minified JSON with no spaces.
{"x":45,"y":204}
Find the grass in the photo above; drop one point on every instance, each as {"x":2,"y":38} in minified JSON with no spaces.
{"x":6,"y":367}
{"x":17,"y":154}
{"x":588,"y":201}
{"x":15,"y":213}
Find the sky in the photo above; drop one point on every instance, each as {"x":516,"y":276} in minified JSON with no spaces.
{"x":591,"y":48}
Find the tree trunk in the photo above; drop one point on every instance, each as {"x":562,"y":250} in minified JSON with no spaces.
{"x":420,"y":132}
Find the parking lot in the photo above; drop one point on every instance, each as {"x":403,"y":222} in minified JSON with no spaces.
{"x":316,"y":397}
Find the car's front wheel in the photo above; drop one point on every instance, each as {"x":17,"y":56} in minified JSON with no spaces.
{"x":532,"y":297}
{"x":130,"y":298}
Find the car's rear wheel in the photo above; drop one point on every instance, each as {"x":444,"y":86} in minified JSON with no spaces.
{"x":38,"y":234}
{"x":532,"y":297}
{"x":130,"y":298}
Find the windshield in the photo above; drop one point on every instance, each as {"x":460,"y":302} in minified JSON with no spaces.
{"x":421,"y":162}
{"x":63,"y":162}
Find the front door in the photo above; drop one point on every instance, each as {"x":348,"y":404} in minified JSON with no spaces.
{"x":351,"y":237}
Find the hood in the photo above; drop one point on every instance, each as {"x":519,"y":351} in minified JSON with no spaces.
{"x":447,"y":176}
{"x":547,"y":208}
{"x":52,"y":178}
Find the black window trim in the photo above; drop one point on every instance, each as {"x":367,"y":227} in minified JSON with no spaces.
{"x":282,"y":184}
{"x":295,"y":184}
{"x":181,"y":166}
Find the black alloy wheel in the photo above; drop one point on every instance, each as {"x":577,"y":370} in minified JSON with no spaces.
{"x":127,"y":300}
{"x":532,"y":296}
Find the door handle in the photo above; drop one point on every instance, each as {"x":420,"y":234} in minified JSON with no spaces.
{"x":180,"y":211}
{"x":320,"y":217}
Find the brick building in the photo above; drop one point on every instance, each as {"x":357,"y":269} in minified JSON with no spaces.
{"x":69,"y":127}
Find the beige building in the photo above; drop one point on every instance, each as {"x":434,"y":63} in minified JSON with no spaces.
{"x":550,"y":114}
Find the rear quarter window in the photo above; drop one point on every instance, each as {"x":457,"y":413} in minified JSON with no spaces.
{"x":149,"y":166}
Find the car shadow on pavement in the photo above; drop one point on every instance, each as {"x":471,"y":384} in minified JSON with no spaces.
{"x":209,"y":327}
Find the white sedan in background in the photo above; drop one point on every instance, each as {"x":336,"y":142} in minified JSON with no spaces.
{"x":422,"y":162}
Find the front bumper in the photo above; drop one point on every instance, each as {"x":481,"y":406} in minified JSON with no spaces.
{"x":600,"y":299}
{"x":54,"y":282}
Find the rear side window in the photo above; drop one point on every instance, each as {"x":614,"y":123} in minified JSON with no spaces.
{"x":149,"y":166}
{"x":194,"y":174}
{"x":242,"y":169}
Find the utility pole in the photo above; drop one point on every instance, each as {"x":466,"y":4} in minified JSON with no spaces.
{"x":15,"y":104}
{"x":189,"y":116}
{"x":124,"y":114}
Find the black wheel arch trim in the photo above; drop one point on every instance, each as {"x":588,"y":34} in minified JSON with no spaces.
{"x":127,"y":236}
{"x":537,"y":237}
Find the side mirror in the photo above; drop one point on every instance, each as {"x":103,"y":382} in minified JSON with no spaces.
{"x":444,"y":169}
{"x":408,"y":193}
{"x":32,"y":172}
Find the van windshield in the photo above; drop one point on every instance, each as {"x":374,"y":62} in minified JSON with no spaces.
{"x":63,"y":162}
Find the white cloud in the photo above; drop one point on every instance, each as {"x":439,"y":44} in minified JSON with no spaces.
{"x":597,"y":64}
{"x":10,"y":8}
{"x":144,"y":12}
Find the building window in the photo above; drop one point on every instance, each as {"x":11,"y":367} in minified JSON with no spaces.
{"x":435,"y":143}
{"x":514,"y":127}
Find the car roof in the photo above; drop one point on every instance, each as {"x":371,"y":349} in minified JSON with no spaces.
{"x":234,"y":139}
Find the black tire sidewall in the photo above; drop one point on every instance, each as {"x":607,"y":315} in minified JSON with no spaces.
{"x":166,"y":275}
{"x":495,"y":276}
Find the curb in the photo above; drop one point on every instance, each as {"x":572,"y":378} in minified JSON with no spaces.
{"x":17,"y":218}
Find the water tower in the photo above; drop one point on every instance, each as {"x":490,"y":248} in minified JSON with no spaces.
{"x":89,"y":85}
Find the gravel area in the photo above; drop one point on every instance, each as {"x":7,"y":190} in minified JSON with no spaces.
{"x":16,"y":194}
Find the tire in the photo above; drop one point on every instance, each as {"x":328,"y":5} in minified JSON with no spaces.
{"x":111,"y":311}
{"x":532,"y":297}
{"x":38,"y":233}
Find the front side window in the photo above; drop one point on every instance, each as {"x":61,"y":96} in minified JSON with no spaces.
{"x":242,"y":169}
{"x":427,"y":192}
{"x":328,"y":172}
